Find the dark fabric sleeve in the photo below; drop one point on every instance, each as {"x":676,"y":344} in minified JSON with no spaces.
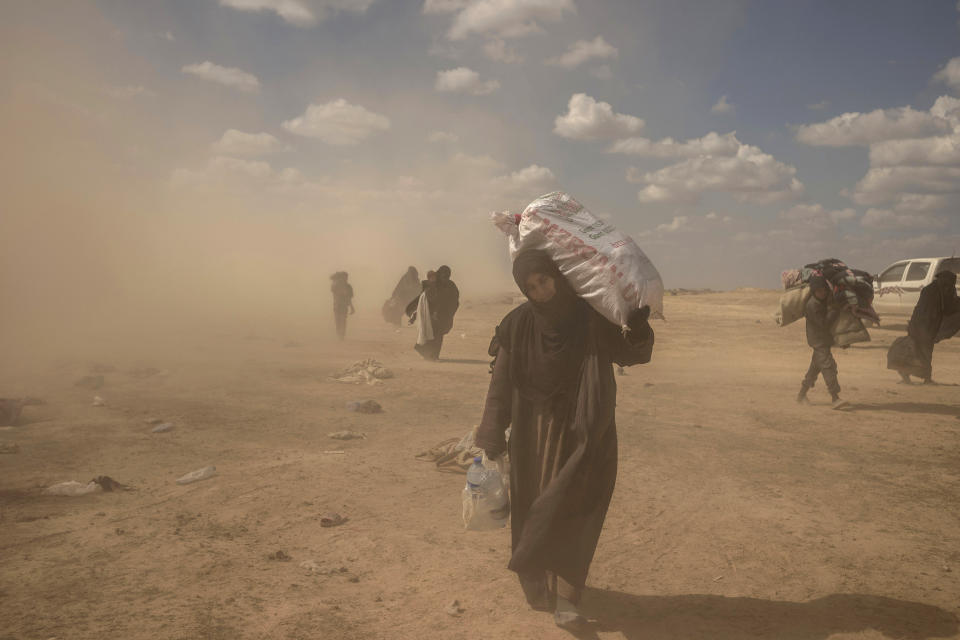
{"x":497,"y":409}
{"x":412,"y":307}
{"x":624,"y":350}
{"x":812,"y":313}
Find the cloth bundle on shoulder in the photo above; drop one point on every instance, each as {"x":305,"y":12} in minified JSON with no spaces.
{"x":605,"y":266}
{"x":846,"y":329}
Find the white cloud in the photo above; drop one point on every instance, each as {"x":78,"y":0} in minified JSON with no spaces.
{"x":338,"y":122}
{"x":938,"y":150}
{"x":815,"y":217}
{"x":500,"y":51}
{"x":464,"y":80}
{"x":711,"y":144}
{"x":506,"y":18}
{"x":751,"y":176}
{"x":477,"y":163}
{"x":861,"y":129}
{"x":444,"y":6}
{"x":229,"y":76}
{"x":442,"y":136}
{"x":293,"y":11}
{"x":883,"y":184}
{"x":722,"y":106}
{"x":587,"y":119}
{"x":678,"y":223}
{"x":583,"y":50}
{"x":530,"y":181}
{"x":239,"y":143}
{"x":885,"y":219}
{"x":298,"y":12}
{"x":129,"y":92}
{"x":950,"y":74}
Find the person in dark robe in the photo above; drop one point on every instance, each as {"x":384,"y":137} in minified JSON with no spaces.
{"x":444,"y":300}
{"x":407,"y":288}
{"x":553,"y":385}
{"x":938,"y":300}
{"x":428,"y":287}
{"x":342,"y":302}
{"x":819,"y":317}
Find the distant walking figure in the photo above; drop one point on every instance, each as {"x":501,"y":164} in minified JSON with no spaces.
{"x":937,"y":301}
{"x":342,"y":301}
{"x":442,"y":298}
{"x":819,"y":318}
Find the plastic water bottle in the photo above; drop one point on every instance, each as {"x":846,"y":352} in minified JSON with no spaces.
{"x":485,"y":504}
{"x":476,"y":474}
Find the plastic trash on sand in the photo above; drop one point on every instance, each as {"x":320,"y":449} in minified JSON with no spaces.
{"x":198,"y":475}
{"x":605,"y":266}
{"x":72,"y":488}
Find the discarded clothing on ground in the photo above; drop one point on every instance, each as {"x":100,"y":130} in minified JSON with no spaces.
{"x":368,"y":371}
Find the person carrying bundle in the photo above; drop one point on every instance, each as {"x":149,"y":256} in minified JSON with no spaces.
{"x":553,"y":385}
{"x":819,"y":318}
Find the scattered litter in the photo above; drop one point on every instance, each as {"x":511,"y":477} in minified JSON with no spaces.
{"x":9,"y":447}
{"x":334,"y":451}
{"x":163,"y":427}
{"x":280,"y":556}
{"x":354,"y":579}
{"x":198,"y":475}
{"x":153,"y":421}
{"x":347,"y":435}
{"x":718,"y":579}
{"x":648,"y":384}
{"x":311,"y":566}
{"x":454,"y":608}
{"x":89,"y":382}
{"x":368,"y":371}
{"x":72,"y":488}
{"x":463,"y":336}
{"x":99,"y":402}
{"x":453,"y":453}
{"x":332,"y":520}
{"x":109,"y":484}
{"x":365,"y":406}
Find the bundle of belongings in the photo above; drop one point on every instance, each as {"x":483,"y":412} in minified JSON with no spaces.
{"x":852,"y":295}
{"x":454,"y":454}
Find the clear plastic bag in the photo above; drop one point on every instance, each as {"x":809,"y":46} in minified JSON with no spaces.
{"x":486,"y":505}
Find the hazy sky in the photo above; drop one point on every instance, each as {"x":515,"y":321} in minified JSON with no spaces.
{"x":216,"y":148}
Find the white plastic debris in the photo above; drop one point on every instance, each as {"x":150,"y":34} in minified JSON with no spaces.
{"x":162,"y":427}
{"x":72,"y":488}
{"x":99,"y":402}
{"x":198,"y":475}
{"x":603,"y":265}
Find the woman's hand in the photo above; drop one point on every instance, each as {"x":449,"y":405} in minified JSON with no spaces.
{"x":638,"y":322}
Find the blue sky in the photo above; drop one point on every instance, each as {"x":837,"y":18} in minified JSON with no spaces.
{"x":386,"y":131}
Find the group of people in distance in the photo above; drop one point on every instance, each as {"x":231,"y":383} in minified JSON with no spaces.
{"x":912,"y":355}
{"x":438,"y":294}
{"x":553,"y":388}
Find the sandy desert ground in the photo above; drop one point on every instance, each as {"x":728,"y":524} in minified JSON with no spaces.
{"x":737,"y":513}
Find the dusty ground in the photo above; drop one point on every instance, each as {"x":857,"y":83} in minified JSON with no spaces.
{"x":737,"y":514}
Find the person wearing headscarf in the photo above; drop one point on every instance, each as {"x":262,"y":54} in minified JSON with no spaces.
{"x":342,"y":302}
{"x":553,"y":385}
{"x":938,"y":300}
{"x":444,"y":300}
{"x":408,"y":287}
{"x":819,"y":317}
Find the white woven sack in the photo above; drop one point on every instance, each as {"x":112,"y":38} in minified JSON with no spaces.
{"x":604,"y":266}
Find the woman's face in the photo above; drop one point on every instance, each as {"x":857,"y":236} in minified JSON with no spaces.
{"x":540,"y":287}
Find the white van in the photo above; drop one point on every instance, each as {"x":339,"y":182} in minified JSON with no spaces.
{"x":897,"y":288}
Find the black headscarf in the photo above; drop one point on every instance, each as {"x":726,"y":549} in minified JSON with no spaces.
{"x":546,"y":344}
